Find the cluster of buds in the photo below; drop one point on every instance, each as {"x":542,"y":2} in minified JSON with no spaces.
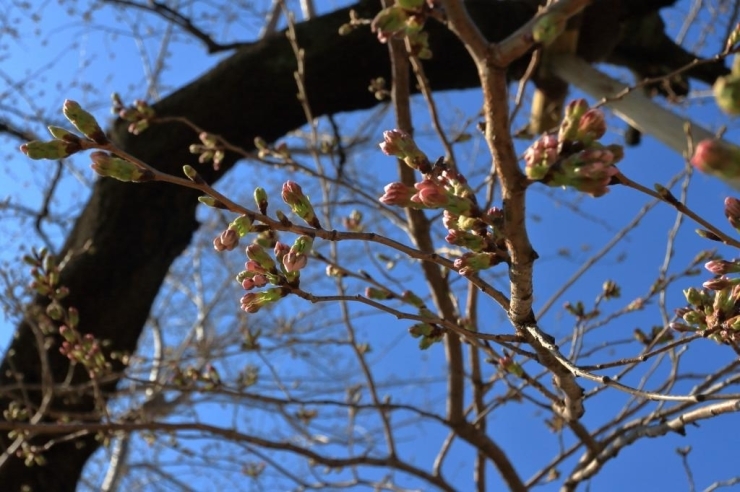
{"x":428,"y":334}
{"x":85,"y":350}
{"x":406,"y":18}
{"x":279,"y":151}
{"x":208,"y":376}
{"x":574,"y":158}
{"x":714,"y":310}
{"x":66,"y":143}
{"x":209,"y":150}
{"x":283,"y":271}
{"x":299,"y":203}
{"x":718,"y":159}
{"x":446,"y":188}
{"x":140,"y":114}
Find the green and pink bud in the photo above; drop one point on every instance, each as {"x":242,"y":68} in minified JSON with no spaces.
{"x":297,"y":257}
{"x":727,"y":92}
{"x":470,"y":263}
{"x":718,"y":159}
{"x":465,"y":240}
{"x":401,"y":145}
{"x":722,"y":267}
{"x":377,"y":294}
{"x":299,"y":203}
{"x":257,"y":253}
{"x":571,"y":120}
{"x":430,"y":194}
{"x":84,"y":122}
{"x":397,"y":194}
{"x":591,"y":126}
{"x":242,"y":225}
{"x":540,"y":156}
{"x":253,"y":302}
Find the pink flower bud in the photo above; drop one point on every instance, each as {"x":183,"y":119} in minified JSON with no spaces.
{"x":430,"y":194}
{"x":717,"y":158}
{"x":732,"y":211}
{"x":591,"y":126}
{"x":722,"y":267}
{"x":397,"y":194}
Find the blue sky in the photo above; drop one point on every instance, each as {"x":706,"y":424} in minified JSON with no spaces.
{"x":59,"y":56}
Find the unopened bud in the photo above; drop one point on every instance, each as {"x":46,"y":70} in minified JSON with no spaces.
{"x":53,"y":149}
{"x":107,"y":165}
{"x":548,"y":27}
{"x":84,"y":122}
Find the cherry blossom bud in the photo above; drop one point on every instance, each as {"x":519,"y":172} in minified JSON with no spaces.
{"x":720,"y":283}
{"x":591,"y":126}
{"x":260,"y":198}
{"x":694,"y":297}
{"x":242,"y":225}
{"x":727,"y":93}
{"x":281,"y":250}
{"x":211,"y":202}
{"x":297,"y":257}
{"x":53,"y":149}
{"x":84,"y":122}
{"x":573,"y":113}
{"x":430,"y":194}
{"x":722,"y":267}
{"x":226,"y":241}
{"x":107,"y":165}
{"x":293,"y":196}
{"x":732,"y":212}
{"x":470,"y":263}
{"x":253,"y":302}
{"x":548,"y":27}
{"x":400,"y":144}
{"x":258,"y":280}
{"x":397,"y":194}
{"x":540,"y":156}
{"x":63,"y":134}
{"x":256,"y":253}
{"x":465,"y":240}
{"x":718,"y":159}
{"x":378,"y":294}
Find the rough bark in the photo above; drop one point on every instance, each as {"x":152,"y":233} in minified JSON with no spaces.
{"x":128,"y":235}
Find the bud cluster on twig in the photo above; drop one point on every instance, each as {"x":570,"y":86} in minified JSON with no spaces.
{"x":574,"y":157}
